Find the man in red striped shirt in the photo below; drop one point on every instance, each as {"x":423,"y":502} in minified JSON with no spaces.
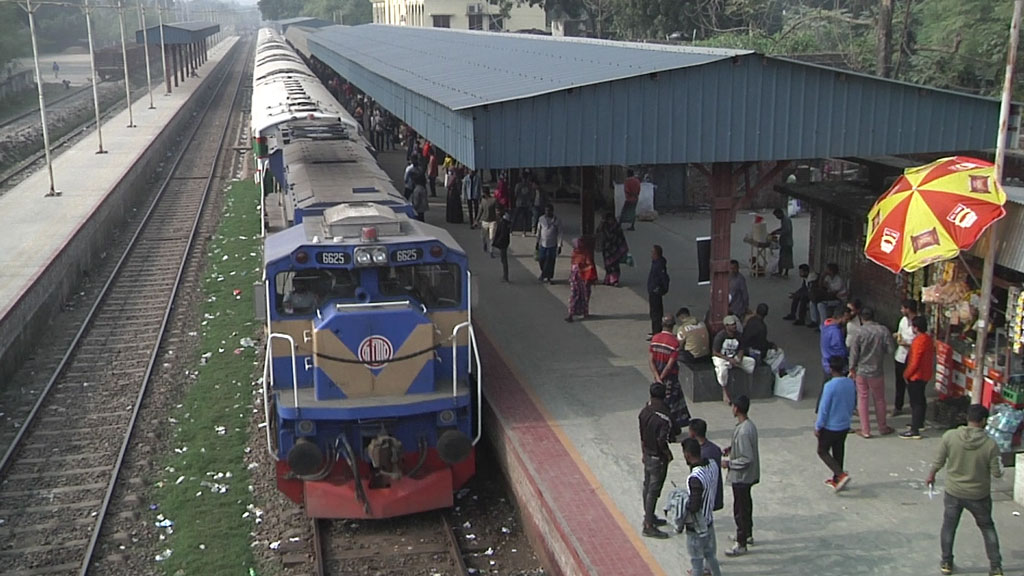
{"x":664,"y":363}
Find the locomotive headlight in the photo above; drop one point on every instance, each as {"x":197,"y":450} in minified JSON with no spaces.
{"x":380,"y":256}
{"x":305,"y":428}
{"x":363,"y":257}
{"x":446,"y":417}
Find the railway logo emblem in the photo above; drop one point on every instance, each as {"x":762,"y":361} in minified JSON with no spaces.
{"x":375,"y":351}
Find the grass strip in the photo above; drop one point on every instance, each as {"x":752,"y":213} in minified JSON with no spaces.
{"x":204,"y":488}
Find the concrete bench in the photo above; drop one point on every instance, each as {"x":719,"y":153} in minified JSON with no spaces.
{"x":700,"y":384}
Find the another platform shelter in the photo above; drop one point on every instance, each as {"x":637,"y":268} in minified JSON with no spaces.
{"x":187,"y":46}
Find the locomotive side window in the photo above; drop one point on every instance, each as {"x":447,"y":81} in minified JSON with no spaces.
{"x":301,"y":293}
{"x":434,"y":285}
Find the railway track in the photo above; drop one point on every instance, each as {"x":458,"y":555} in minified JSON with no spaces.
{"x":11,"y":123}
{"x":425,"y":539}
{"x":59,"y":472}
{"x":26,"y":166}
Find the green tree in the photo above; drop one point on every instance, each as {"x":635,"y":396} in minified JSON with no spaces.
{"x":350,"y":12}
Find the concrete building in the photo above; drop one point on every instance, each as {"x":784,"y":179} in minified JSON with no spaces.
{"x":459,"y":14}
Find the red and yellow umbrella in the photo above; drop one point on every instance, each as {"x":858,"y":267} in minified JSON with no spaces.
{"x":932,"y":212}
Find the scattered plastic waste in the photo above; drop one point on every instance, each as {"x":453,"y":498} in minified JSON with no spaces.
{"x":505,"y":530}
{"x":247,"y":342}
{"x":164,"y":523}
{"x":275,"y":544}
{"x":164,"y":555}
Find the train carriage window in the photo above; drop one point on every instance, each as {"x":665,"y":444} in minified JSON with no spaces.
{"x":302,"y":292}
{"x":433,"y":285}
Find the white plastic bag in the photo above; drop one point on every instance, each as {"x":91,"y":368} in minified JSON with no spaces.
{"x":776,"y":358}
{"x":791,"y":385}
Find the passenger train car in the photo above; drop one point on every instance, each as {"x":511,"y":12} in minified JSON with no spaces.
{"x":372,"y":377}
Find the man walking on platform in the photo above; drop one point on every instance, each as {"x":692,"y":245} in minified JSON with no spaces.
{"x":838,"y":401}
{"x":487,"y":217}
{"x":549,"y":242}
{"x":657,"y":287}
{"x":868,"y":351}
{"x":502,"y":239}
{"x":973,"y":460}
{"x":744,"y":465}
{"x":702,"y":484}
{"x":655,"y":425}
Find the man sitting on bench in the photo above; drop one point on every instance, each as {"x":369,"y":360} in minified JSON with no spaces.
{"x":727,"y":353}
{"x":693,"y":338}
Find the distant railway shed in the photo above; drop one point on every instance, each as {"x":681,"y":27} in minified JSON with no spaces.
{"x":187,"y":45}
{"x":521,"y":101}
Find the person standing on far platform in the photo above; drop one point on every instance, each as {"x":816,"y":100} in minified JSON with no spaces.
{"x":502,"y":238}
{"x":920,"y":369}
{"x":744,"y":465}
{"x":867,"y":354}
{"x":471,"y":192}
{"x":971,"y":459}
{"x":418,"y":198}
{"x":582,"y":277}
{"x":614,"y":248}
{"x":904,"y":336}
{"x":631,"y":197}
{"x":657,"y":287}
{"x":739,"y":298}
{"x":702,"y":484}
{"x":785,"y":232}
{"x":56,"y":69}
{"x":549,"y":242}
{"x":838,"y":401}
{"x":432,"y":171}
{"x":655,"y":426}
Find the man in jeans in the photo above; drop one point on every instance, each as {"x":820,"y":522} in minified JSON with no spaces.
{"x":971,"y":459}
{"x":549,"y":242}
{"x":655,"y":426}
{"x":867,"y":354}
{"x":744,"y":466}
{"x":919,"y":370}
{"x":702,"y":484}
{"x":838,"y":401}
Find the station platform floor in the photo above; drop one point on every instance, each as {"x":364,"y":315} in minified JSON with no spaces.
{"x":567,"y":397}
{"x":37,"y":228}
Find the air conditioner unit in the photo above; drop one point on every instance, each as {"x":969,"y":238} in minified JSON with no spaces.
{"x":475,"y":9}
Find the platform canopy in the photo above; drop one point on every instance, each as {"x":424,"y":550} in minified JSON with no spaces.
{"x":306,"y":21}
{"x":179,"y":33}
{"x":509,"y":100}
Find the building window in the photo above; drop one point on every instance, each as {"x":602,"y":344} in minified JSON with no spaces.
{"x":476,"y":22}
{"x":443,"y":21}
{"x":496,"y":24}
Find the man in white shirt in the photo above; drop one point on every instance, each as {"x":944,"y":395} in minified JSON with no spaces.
{"x":904,"y":335}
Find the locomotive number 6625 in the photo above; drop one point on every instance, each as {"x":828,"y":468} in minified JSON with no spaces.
{"x":407,"y":255}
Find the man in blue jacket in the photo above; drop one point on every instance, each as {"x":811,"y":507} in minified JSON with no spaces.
{"x":838,"y":401}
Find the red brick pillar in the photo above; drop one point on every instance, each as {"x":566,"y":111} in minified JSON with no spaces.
{"x":723,"y":200}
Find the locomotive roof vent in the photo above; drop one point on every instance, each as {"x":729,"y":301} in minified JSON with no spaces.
{"x":348,"y":220}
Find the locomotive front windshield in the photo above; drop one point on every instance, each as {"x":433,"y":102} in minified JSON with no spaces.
{"x":433,"y":285}
{"x":302,"y":292}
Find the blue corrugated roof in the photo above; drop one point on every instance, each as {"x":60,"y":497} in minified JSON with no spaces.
{"x":178,"y":32}
{"x":507,"y":101}
{"x":462,"y":69}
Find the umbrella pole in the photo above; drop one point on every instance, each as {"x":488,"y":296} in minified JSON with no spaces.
{"x":985,"y":301}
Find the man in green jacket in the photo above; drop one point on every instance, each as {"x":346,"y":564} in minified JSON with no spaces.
{"x":971,"y":459}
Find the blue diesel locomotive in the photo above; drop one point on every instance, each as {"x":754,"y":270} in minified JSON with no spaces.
{"x":372,"y":378}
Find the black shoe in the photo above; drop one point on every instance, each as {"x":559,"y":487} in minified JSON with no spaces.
{"x":799,"y":322}
{"x":812,"y":325}
{"x":789,"y":317}
{"x":652,"y":532}
{"x":660,"y":521}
